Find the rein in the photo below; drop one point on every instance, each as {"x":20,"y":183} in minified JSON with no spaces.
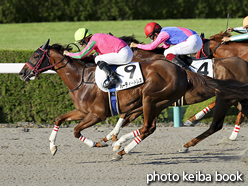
{"x":211,"y":54}
{"x":82,"y":81}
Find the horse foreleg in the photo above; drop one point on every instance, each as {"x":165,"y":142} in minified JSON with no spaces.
{"x":70,"y":116}
{"x":150,"y":117}
{"x":198,"y":116}
{"x":123,"y":121}
{"x":113,"y":134}
{"x":124,"y":138}
{"x":90,"y":120}
{"x":239,"y":120}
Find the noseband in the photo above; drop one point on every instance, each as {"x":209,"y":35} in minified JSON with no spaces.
{"x":43,"y":64}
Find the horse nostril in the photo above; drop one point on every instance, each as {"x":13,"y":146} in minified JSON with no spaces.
{"x":21,"y":73}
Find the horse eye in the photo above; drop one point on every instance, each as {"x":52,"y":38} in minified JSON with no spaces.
{"x":36,"y":56}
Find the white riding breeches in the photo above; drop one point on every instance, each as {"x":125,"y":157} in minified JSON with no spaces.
{"x":192,"y":45}
{"x":124,"y":56}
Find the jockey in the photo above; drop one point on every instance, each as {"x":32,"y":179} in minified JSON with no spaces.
{"x":110,"y":50}
{"x":243,"y":30}
{"x":185,"y":41}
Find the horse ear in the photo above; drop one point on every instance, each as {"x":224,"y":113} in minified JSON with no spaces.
{"x":46,"y":44}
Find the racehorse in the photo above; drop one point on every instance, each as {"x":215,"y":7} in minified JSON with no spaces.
{"x":164,"y":84}
{"x":228,"y":68}
{"x":213,"y":48}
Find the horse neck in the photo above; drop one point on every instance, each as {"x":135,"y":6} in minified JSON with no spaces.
{"x":70,"y":71}
{"x":229,"y":50}
{"x":213,"y":44}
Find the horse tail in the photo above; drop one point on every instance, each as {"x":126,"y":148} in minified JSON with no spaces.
{"x":227,"y":89}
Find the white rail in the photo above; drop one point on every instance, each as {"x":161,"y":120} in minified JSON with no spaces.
{"x":15,"y":68}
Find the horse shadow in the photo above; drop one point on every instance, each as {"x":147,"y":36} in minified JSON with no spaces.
{"x":173,"y":158}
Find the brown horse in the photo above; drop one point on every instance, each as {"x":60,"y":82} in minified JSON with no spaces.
{"x":229,"y":49}
{"x":228,"y":68}
{"x":164,"y":84}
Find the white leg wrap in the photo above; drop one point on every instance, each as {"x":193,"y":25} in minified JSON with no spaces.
{"x":88,"y":142}
{"x":234,"y":132}
{"x":116,"y":130}
{"x":131,"y":145}
{"x":53,"y":136}
{"x":118,"y":126}
{"x":202,"y":113}
{"x":127,"y":137}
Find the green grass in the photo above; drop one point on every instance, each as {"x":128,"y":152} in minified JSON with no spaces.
{"x":32,"y":35}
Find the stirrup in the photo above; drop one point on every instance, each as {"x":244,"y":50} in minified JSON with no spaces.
{"x":110,"y":83}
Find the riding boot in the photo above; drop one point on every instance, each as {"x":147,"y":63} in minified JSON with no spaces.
{"x":114,"y":79}
{"x":176,"y":60}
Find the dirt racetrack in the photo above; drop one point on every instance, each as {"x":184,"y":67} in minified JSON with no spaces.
{"x":25,"y":159}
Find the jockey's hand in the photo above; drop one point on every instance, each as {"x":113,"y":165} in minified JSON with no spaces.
{"x":66,"y":53}
{"x":133,"y":45}
{"x":225,"y":40}
{"x":230,"y":29}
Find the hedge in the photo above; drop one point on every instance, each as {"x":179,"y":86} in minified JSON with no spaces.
{"x":26,"y":11}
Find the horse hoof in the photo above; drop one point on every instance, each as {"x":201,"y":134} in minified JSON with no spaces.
{"x":116,"y":157}
{"x":103,"y":144}
{"x":54,"y":150}
{"x":113,"y":144}
{"x":115,"y":148}
{"x":188,"y":124}
{"x":233,"y":137}
{"x":183,"y":150}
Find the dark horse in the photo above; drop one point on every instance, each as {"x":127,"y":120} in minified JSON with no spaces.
{"x":212,"y":48}
{"x":164,"y":84}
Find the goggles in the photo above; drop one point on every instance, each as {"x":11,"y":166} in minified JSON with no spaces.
{"x":82,"y":41}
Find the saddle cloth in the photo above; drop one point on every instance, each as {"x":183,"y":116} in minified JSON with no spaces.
{"x":203,"y":66}
{"x":130,"y":76}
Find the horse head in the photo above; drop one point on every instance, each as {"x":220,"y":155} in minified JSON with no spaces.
{"x":36,"y":63}
{"x":40,"y":61}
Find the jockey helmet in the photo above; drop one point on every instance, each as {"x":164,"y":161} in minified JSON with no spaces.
{"x":245,"y":22}
{"x":151,"y":28}
{"x":81,"y":34}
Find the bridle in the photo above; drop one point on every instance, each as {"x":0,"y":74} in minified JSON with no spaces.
{"x":45,"y":64}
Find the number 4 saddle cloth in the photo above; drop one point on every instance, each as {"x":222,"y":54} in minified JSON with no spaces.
{"x":203,"y":66}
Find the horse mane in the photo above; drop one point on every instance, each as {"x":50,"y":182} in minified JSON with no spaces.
{"x":61,"y":48}
{"x":88,"y":60}
{"x":219,"y":37}
{"x":129,"y":39}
